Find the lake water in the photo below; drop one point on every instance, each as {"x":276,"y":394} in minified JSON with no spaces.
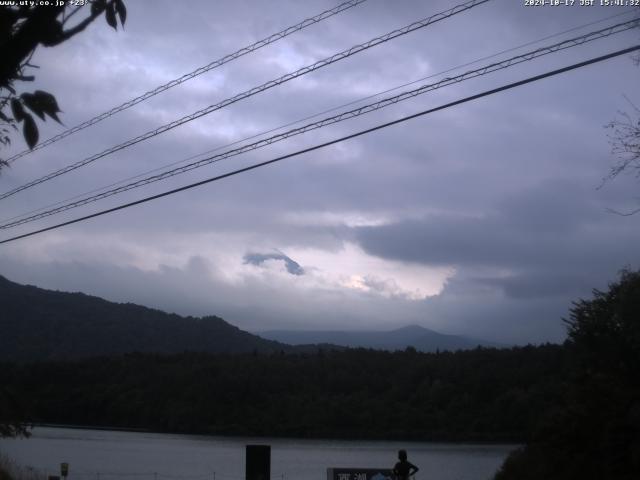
{"x":114,"y":455}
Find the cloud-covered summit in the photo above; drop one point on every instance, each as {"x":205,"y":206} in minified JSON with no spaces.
{"x":258,"y":259}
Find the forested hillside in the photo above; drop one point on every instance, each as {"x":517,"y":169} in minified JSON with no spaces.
{"x":38,"y":324}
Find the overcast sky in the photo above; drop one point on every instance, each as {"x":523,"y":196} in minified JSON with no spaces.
{"x":483,"y":219}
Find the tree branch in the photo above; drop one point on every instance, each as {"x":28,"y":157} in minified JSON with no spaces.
{"x":67,"y":34}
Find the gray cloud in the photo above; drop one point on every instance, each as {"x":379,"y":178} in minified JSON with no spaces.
{"x":501,"y":190}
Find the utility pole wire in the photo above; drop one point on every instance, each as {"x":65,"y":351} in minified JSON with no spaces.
{"x":528,"y":56}
{"x":309,"y":117}
{"x":332,"y":142}
{"x":188,"y":76}
{"x":248,"y":93}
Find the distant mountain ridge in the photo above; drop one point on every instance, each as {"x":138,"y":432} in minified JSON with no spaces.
{"x":39,"y":324}
{"x":422,"y":339}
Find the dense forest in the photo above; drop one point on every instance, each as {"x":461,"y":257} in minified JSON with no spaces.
{"x":482,"y":394}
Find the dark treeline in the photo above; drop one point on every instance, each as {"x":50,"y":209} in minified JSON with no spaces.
{"x":482,"y":394}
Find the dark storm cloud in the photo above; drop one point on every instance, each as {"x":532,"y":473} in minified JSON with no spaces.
{"x":542,"y":284}
{"x":548,"y":241}
{"x":292,"y":266}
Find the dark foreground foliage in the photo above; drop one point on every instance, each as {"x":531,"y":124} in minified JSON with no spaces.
{"x":596,"y":434}
{"x":482,"y":394}
{"x":25,"y":26}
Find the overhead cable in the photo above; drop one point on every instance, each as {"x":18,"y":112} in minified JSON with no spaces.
{"x":332,"y":142}
{"x":309,"y":117}
{"x":570,"y":43}
{"x":265,"y":86}
{"x":199,"y":71}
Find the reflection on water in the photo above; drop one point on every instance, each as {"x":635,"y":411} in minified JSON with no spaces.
{"x":111,"y":455}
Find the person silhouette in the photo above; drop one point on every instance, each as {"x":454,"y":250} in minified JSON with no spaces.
{"x":403,"y":469}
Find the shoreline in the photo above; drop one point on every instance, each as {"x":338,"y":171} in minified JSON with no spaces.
{"x":468,"y":442}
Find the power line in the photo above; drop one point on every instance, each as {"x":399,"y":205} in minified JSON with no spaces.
{"x":528,"y":56}
{"x":338,"y":107}
{"x":332,"y":142}
{"x":265,"y":86}
{"x":199,"y":71}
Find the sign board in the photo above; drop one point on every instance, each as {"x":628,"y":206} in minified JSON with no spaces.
{"x":359,"y":474}
{"x":64,"y":469}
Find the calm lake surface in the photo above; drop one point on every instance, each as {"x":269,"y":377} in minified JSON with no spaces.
{"x":111,"y":455}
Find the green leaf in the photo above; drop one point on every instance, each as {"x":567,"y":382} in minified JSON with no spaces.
{"x":32,"y":103}
{"x":30,"y":130}
{"x":97,"y":7}
{"x":17,"y":109}
{"x":42,"y":103}
{"x":122,"y":11}
{"x":110,"y":15}
{"x":48,"y":104}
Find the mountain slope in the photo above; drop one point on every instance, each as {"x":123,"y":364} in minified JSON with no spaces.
{"x":38,"y":324}
{"x":420,"y":338}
